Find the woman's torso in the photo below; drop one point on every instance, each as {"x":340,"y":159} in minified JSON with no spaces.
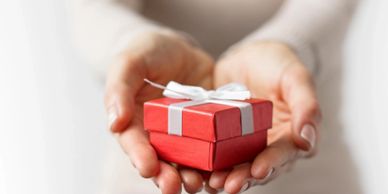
{"x":216,"y":24}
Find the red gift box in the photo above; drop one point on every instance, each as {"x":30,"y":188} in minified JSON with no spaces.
{"x":211,"y":137}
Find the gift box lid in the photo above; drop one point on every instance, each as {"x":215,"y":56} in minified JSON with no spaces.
{"x":209,"y":121}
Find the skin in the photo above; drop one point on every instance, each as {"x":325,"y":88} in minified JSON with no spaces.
{"x":161,"y":57}
{"x":270,"y":70}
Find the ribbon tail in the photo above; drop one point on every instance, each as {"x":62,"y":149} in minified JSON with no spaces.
{"x":167,"y":91}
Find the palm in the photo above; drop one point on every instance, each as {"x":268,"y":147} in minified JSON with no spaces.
{"x":159,"y":57}
{"x":269,"y":71}
{"x":201,"y":76}
{"x":265,"y":76}
{"x":264,"y":87}
{"x":165,"y":69}
{"x":270,"y":88}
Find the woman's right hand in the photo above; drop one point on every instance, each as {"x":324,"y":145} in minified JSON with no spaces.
{"x":160,"y":57}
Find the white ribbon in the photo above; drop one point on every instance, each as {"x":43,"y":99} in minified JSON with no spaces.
{"x":222,"y":95}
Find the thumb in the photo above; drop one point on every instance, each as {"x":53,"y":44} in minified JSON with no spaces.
{"x":299,"y":93}
{"x":125,"y":78}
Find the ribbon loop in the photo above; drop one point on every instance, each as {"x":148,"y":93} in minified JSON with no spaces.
{"x":231,"y":91}
{"x":176,"y":90}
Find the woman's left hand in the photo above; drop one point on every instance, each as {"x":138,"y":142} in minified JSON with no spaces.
{"x":272,"y":71}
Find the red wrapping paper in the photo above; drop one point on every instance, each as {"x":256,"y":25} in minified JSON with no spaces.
{"x":211,"y":133}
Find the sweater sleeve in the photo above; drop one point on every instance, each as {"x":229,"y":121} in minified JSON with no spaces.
{"x":301,"y":23}
{"x":102,"y":28}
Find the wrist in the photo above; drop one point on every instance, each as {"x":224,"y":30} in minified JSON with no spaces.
{"x":303,"y":48}
{"x":270,"y":48}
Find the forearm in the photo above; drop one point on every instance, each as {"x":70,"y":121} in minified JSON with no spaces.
{"x":302,"y":23}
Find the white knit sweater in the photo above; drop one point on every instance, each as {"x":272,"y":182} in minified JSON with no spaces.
{"x":103,"y":27}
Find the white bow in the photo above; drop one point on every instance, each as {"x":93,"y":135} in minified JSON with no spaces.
{"x":223,"y":95}
{"x":231,"y":91}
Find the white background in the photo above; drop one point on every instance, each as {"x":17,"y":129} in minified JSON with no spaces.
{"x":52,"y":124}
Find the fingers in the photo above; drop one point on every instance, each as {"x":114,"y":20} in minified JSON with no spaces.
{"x":236,"y":180}
{"x":124,"y":80}
{"x":274,"y":159}
{"x":218,"y":178}
{"x":192,"y":180}
{"x":168,"y":180}
{"x":299,"y":93}
{"x":211,"y":190}
{"x":267,"y":165}
{"x":134,"y":142}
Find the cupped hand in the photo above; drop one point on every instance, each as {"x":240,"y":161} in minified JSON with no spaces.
{"x":161,"y":57}
{"x":272,"y":71}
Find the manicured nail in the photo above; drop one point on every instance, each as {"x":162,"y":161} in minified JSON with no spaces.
{"x":254,"y":182}
{"x":245,"y":186}
{"x":268,"y":175}
{"x":308,"y":134}
{"x":112,"y":116}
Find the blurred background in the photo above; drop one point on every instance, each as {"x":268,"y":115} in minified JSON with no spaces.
{"x":53,"y":136}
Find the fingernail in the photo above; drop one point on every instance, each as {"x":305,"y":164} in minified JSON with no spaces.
{"x":262,"y":181}
{"x":156,"y":184}
{"x":112,"y":116}
{"x":308,"y":134}
{"x":245,"y":187}
{"x":268,"y":175}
